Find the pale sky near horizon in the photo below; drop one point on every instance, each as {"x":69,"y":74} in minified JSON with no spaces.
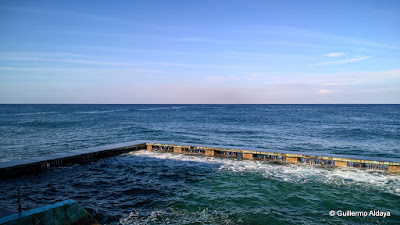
{"x":256,"y":52}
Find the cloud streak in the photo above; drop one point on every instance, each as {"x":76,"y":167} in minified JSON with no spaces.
{"x":294,"y":31}
{"x":335,"y":54}
{"x":329,"y":84}
{"x":325,"y":91}
{"x":77,"y":61}
{"x":231,"y":41}
{"x":120,"y":64}
{"x":342,"y":61}
{"x":200,"y":66}
{"x":65,"y":13}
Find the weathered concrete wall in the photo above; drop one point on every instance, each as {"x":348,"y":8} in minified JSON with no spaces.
{"x":67,"y":212}
{"x":247,"y":155}
{"x":292,"y":160}
{"x":43,"y":163}
{"x":210,"y":153}
{"x":177,"y":149}
{"x":394,"y":169}
{"x":340,"y":164}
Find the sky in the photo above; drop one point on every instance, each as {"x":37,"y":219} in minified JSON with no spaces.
{"x":200,"y":52}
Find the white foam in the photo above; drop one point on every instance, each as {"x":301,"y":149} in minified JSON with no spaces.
{"x":293,"y":173}
{"x":206,"y":215}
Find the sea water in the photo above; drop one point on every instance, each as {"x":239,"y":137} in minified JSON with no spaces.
{"x":145,"y":187}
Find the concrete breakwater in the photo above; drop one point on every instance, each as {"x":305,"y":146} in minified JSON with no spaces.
{"x":67,"y":212}
{"x":43,"y":163}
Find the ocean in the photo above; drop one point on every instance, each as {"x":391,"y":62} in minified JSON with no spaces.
{"x":145,"y":187}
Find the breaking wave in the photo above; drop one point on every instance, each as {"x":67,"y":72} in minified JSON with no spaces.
{"x":292,"y":173}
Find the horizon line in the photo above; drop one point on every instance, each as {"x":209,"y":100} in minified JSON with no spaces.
{"x":199,"y":103}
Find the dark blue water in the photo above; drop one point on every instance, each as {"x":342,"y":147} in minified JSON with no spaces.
{"x":145,"y":187}
{"x":370,"y":130}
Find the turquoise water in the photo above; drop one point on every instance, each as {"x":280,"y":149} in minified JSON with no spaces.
{"x":145,"y":187}
{"x":164,"y":188}
{"x":243,"y":192}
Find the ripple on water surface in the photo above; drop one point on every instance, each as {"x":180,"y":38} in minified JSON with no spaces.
{"x":36,"y":130}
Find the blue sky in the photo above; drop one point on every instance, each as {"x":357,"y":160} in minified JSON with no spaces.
{"x":200,"y":52}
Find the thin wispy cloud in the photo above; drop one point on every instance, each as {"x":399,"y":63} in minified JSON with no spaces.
{"x":199,"y":65}
{"x":40,"y":69}
{"x":325,"y":91}
{"x":256,"y":75}
{"x":221,"y":78}
{"x":296,"y":31}
{"x":342,"y":61}
{"x":270,"y":77}
{"x":66,"y":13}
{"x":367,"y":77}
{"x":73,"y":69}
{"x":356,"y":41}
{"x":40,"y":54}
{"x":286,"y":31}
{"x":247,"y":42}
{"x":335,"y":54}
{"x":196,"y":39}
{"x":254,"y":55}
{"x":289,"y":31}
{"x":123,"y":64}
{"x":329,"y":84}
{"x":78,"y":61}
{"x":324,"y":80}
{"x":292,"y":44}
